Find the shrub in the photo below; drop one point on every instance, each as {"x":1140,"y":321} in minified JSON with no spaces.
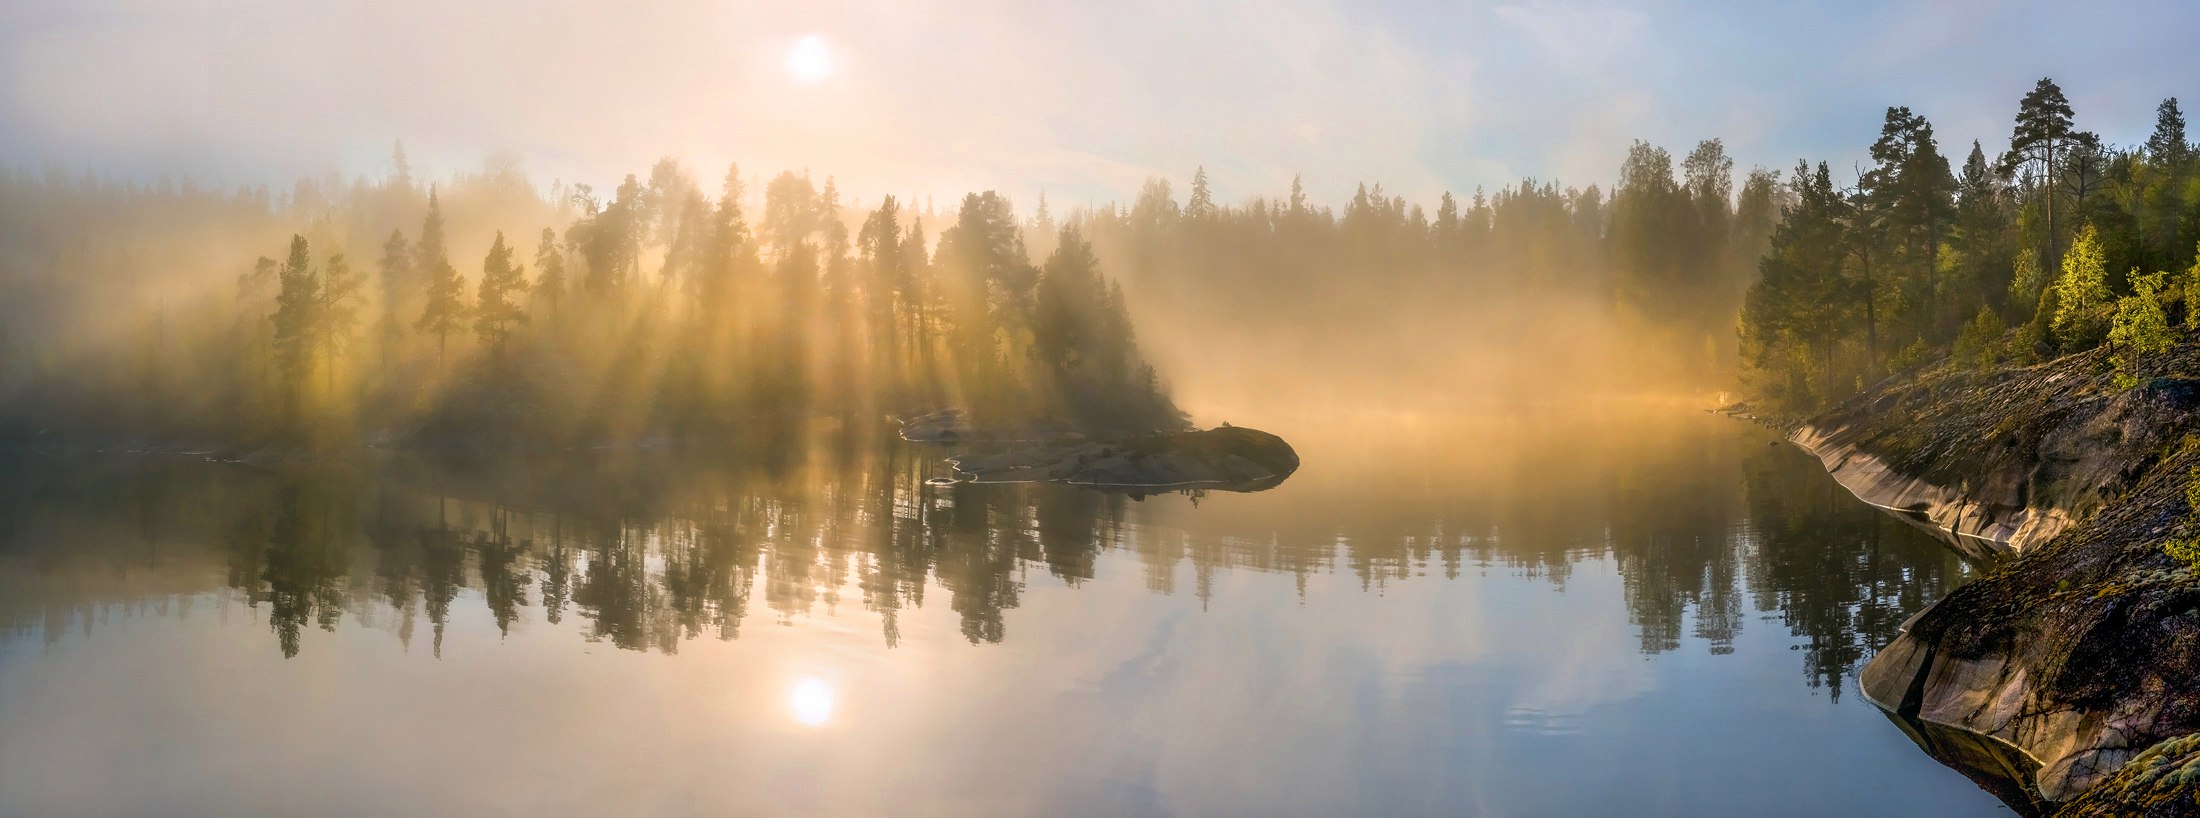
{"x":1978,"y":345}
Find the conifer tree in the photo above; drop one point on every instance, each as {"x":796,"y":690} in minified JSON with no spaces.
{"x":445,"y":311}
{"x":1802,"y":305}
{"x":2167,"y":145}
{"x":2039,"y":144}
{"x":550,"y":271}
{"x":396,"y":268}
{"x":496,"y":306}
{"x":338,"y":314}
{"x":297,"y":321}
{"x":1202,"y":203}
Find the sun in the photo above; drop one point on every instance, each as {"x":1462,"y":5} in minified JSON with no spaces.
{"x":810,"y":60}
{"x":811,"y":701}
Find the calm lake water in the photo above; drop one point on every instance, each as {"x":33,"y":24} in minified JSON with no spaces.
{"x":1624,"y":612}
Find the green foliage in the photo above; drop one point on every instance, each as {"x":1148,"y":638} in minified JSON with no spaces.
{"x":2028,"y":282}
{"x":2081,"y":293}
{"x":1802,"y":305}
{"x":2189,"y":284}
{"x":1911,"y":357}
{"x":2139,"y":329}
{"x":2167,"y":145}
{"x":1978,"y":346}
{"x":2185,"y":548}
{"x":297,"y":317}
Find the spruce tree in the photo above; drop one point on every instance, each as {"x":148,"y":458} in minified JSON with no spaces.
{"x":445,"y":311}
{"x":339,"y":314}
{"x":496,"y":306}
{"x":1202,"y":203}
{"x":550,"y":271}
{"x":2168,"y":146}
{"x":396,"y":268}
{"x":297,"y":321}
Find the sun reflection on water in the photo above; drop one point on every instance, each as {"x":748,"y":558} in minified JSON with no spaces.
{"x":811,"y":701}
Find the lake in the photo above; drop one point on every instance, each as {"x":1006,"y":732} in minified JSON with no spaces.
{"x":1611,"y":610}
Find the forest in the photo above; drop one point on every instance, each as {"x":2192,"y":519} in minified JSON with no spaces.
{"x":650,"y":312}
{"x":2061,"y":244}
{"x":354,"y":310}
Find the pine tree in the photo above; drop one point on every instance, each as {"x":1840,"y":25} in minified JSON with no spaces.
{"x":1447,"y":231}
{"x":496,"y":306}
{"x":878,"y":244}
{"x":1202,"y":203}
{"x":1070,"y":299}
{"x":396,"y":268}
{"x":550,"y":275}
{"x":1802,"y":305}
{"x":921,"y":292}
{"x":2039,"y":144}
{"x":297,"y":321}
{"x":445,"y":311}
{"x":339,"y":314}
{"x":2168,"y":146}
{"x":1911,"y":189}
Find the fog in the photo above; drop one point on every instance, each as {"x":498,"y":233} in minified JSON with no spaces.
{"x":1264,"y":191}
{"x":352,"y":306}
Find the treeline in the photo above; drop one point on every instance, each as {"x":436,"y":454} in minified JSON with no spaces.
{"x":1635,"y":288}
{"x":651,"y":310}
{"x":2059,"y":245}
{"x":1631,"y":289}
{"x":645,"y":550}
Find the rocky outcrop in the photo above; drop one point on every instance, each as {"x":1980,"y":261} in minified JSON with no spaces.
{"x":2157,"y":783}
{"x":1981,"y":520}
{"x":2081,"y":647}
{"x":1228,"y":459}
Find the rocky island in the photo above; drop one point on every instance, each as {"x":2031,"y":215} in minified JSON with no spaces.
{"x":1226,"y":458}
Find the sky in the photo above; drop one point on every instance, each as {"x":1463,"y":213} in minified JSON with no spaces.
{"x":1082,"y":101}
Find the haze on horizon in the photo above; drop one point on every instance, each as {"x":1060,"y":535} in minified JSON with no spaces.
{"x":1079,"y":101}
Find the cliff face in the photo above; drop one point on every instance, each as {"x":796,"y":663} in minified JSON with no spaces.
{"x":2081,"y":648}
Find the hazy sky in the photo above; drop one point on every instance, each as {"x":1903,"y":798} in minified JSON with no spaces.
{"x":1081,"y":99}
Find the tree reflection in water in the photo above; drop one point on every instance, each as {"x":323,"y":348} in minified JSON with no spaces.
{"x":648,"y":550}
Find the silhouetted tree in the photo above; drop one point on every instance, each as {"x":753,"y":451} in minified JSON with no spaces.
{"x":497,"y":306}
{"x":445,"y":308}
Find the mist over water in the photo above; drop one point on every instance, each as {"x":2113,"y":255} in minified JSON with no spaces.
{"x":877,"y":408}
{"x":1442,"y":614}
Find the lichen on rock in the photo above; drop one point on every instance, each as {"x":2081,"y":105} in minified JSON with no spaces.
{"x":2080,"y":648}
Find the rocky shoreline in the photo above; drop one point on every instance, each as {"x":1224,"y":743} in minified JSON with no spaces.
{"x":2066,"y":677}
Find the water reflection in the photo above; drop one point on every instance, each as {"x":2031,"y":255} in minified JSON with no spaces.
{"x":1706,"y":524}
{"x":1515,"y":614}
